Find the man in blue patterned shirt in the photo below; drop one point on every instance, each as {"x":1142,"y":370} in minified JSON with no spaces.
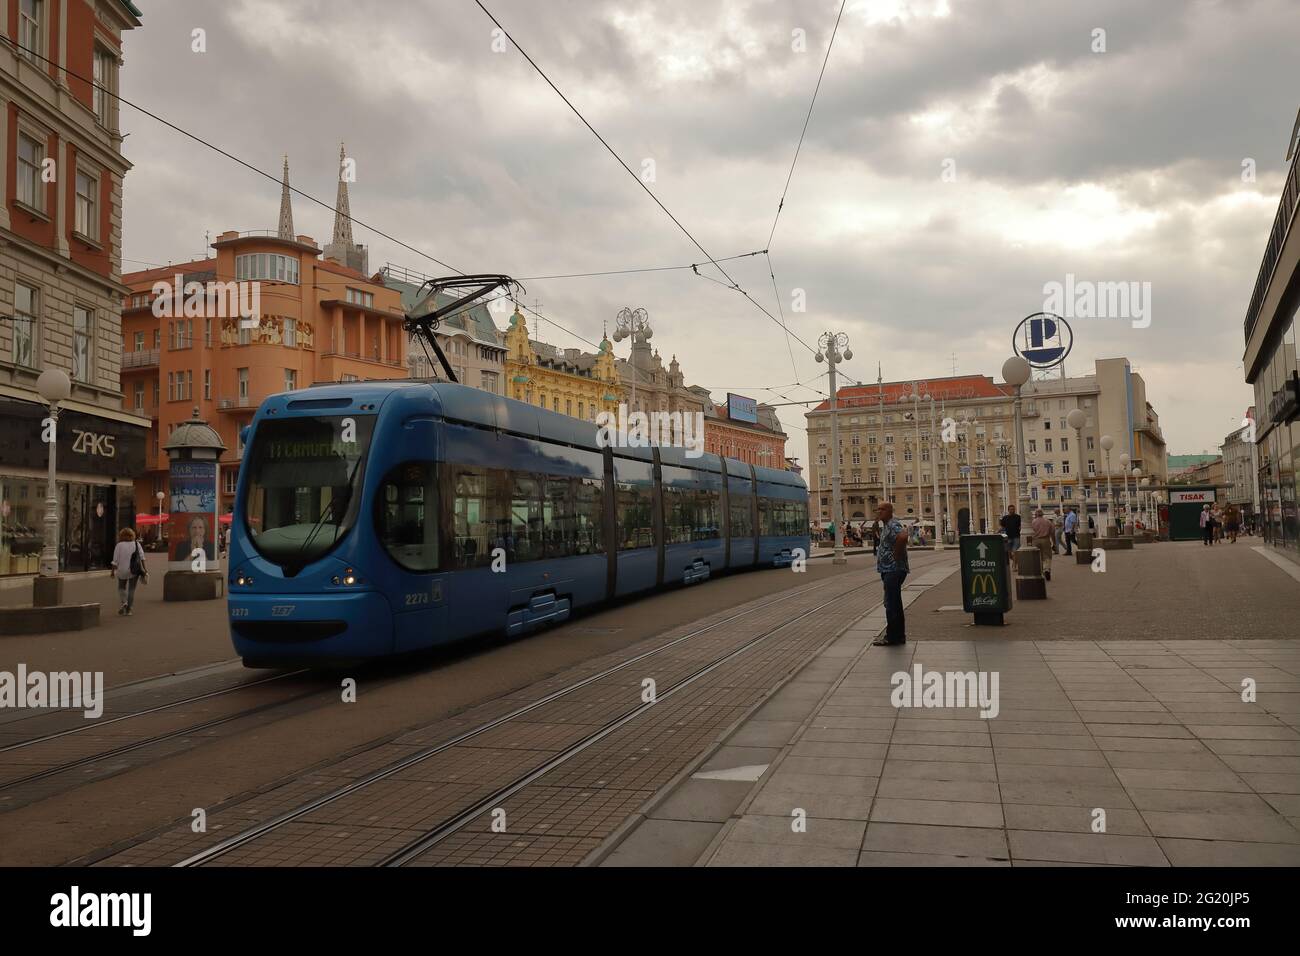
{"x":891,"y":562}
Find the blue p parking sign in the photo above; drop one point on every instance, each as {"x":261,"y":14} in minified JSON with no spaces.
{"x":1043,"y":339}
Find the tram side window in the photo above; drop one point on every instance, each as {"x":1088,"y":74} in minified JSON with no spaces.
{"x":742,"y":519}
{"x":634,"y":504}
{"x":589,"y":515}
{"x":407,"y":516}
{"x":765,"y":526}
{"x":708,"y":509}
{"x":559,"y":519}
{"x":477,"y":514}
{"x":679,"y":514}
{"x":526,"y":524}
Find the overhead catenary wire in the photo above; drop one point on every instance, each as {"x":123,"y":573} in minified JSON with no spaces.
{"x":799,"y":146}
{"x":364,"y":225}
{"x":635,"y":178}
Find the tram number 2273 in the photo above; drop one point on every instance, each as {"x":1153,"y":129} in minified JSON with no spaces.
{"x":419,"y":597}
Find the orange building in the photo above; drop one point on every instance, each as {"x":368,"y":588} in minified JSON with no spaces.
{"x":759,"y":443}
{"x":266,"y":314}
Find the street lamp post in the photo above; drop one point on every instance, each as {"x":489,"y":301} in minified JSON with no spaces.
{"x":1107,"y":443}
{"x":936,"y":507}
{"x":1076,"y":420}
{"x":1016,"y":372}
{"x":833,"y":348}
{"x":1124,"y":473}
{"x":1137,"y":492}
{"x":629,"y":323}
{"x":47,"y":590}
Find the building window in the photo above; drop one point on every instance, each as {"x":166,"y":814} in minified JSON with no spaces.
{"x":157,"y":337}
{"x":105,"y":76}
{"x":139,"y":341}
{"x":207,"y":384}
{"x":31,"y":156}
{"x":242,"y":374}
{"x":83,"y":339}
{"x":1065,"y":444}
{"x":228,"y":478}
{"x":357,"y":297}
{"x":27,"y":308}
{"x":1092,"y":467}
{"x":1047,"y":467}
{"x":207,"y":332}
{"x":31,"y":21}
{"x":291,"y":333}
{"x":1089,"y":443}
{"x":1047,"y":444}
{"x":87,"y":218}
{"x":267,"y":265}
{"x":290,"y":379}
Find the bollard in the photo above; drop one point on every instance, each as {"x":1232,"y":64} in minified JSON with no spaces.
{"x":1030,"y":583}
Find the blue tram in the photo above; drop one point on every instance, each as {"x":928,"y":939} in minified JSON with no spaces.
{"x":385,"y":517}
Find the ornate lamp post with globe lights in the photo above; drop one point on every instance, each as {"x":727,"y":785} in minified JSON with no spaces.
{"x":629,"y":323}
{"x":1016,"y":372}
{"x":54,"y":386}
{"x":833,"y":348}
{"x":1107,"y":443}
{"x":1076,"y":420}
{"x":1124,"y":473}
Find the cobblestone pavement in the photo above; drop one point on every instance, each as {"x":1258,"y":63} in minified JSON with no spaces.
{"x":1111,"y":745}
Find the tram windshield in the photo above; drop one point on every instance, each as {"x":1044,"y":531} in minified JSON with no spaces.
{"x":304,"y":484}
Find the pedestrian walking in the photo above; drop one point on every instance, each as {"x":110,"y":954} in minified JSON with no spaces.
{"x":1041,"y":529}
{"x":1071,"y":530}
{"x":1231,"y":523}
{"x":891,"y":562}
{"x":129,"y":569}
{"x":1207,"y":526}
{"x":1058,"y":533}
{"x":1010,"y":524}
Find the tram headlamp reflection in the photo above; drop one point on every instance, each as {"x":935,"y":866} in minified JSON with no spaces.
{"x":348,"y":577}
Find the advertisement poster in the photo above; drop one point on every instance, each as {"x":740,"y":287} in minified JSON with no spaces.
{"x":193,"y":507}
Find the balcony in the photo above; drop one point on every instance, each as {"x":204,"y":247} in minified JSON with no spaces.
{"x":235,"y":404}
{"x":141,"y":358}
{"x":1276,"y":238}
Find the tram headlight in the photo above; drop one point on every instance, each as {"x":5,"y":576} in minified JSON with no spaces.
{"x":244,"y":580}
{"x":348,"y":577}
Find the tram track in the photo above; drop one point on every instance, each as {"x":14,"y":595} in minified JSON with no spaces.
{"x":100,"y":724}
{"x":837,"y":588}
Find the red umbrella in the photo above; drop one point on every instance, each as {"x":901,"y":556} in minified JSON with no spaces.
{"x":226,"y":518}
{"x":148,"y":519}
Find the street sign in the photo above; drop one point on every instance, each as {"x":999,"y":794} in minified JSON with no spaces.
{"x":964,"y":469}
{"x":985,"y":577}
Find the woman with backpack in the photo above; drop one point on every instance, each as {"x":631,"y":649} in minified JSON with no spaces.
{"x":128,"y":568}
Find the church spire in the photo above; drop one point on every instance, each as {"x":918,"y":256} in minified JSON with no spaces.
{"x":286,"y":207}
{"x":341,"y":248}
{"x":342,"y":213}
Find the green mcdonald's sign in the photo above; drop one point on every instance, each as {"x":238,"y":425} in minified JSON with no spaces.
{"x":985,"y":577}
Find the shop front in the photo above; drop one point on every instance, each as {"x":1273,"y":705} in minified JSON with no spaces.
{"x":1277,"y":392}
{"x":97,"y":459}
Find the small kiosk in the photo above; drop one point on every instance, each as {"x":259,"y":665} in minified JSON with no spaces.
{"x":194,"y":568}
{"x":1185,"y":505}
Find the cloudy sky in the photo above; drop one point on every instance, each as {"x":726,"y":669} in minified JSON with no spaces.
{"x":962,"y":153}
